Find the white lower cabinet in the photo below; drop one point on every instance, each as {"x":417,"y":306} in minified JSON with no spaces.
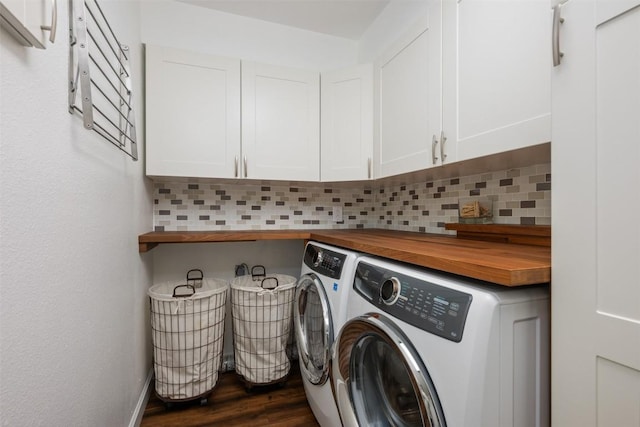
{"x":192,"y":114}
{"x":280,"y":123}
{"x":347,"y":124}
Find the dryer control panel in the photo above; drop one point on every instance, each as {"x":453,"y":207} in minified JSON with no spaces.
{"x":323,"y":261}
{"x":428,"y":306}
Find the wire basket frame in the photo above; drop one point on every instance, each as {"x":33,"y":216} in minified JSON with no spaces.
{"x":262,"y":328}
{"x":188,"y":338}
{"x":99,"y":72}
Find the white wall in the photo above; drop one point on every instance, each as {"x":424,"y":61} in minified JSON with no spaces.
{"x":217,"y":260}
{"x":388,"y":27}
{"x":74,"y":341}
{"x":180,"y":25}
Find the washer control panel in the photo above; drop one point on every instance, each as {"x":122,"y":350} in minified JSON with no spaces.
{"x":323,"y":261}
{"x":428,"y":306}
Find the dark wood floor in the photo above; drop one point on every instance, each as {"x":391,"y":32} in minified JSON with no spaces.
{"x":230,"y":405}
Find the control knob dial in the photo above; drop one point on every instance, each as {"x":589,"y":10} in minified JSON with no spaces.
{"x":317,"y":258}
{"x":390,"y":290}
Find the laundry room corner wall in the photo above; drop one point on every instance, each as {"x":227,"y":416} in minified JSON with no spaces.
{"x":388,"y":27}
{"x":184,"y":26}
{"x":74,"y":339}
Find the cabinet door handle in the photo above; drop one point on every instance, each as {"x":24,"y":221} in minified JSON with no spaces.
{"x":245,"y":166}
{"x":555,"y":36}
{"x":235,"y":167}
{"x":434,"y":142}
{"x":369,"y":168}
{"x":54,"y":22}
{"x":443,"y":139}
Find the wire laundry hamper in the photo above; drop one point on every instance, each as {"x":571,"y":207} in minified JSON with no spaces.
{"x":262,"y":311}
{"x":187,"y":323}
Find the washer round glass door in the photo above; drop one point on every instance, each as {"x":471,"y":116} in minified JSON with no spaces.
{"x":388,"y":382}
{"x":314,"y":328}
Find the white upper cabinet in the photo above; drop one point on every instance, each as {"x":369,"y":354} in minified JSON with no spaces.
{"x":470,"y":80}
{"x":31,"y":22}
{"x":347,"y":124}
{"x":496,"y":75}
{"x":280,"y":123}
{"x":408,"y":113}
{"x":192,"y":114}
{"x":196,"y":113}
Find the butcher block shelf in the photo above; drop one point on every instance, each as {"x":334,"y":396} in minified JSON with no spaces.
{"x":502,"y":263}
{"x":148,"y":241}
{"x":539,"y":235}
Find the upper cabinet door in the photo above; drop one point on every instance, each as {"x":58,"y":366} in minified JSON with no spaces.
{"x":280,"y":123}
{"x":24,"y":19}
{"x":496,"y":68}
{"x":347,"y":124}
{"x":192,"y":114}
{"x":409,"y":104}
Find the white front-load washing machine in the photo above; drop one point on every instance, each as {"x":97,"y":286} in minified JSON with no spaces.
{"x":319,"y":313}
{"x":423,"y":348}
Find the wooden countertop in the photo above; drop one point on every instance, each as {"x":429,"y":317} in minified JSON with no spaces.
{"x":503,"y":263}
{"x":148,"y":241}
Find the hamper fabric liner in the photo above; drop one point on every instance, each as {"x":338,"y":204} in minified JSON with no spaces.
{"x":187,"y":322}
{"x":262,"y":321}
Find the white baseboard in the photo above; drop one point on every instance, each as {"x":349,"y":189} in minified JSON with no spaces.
{"x":136,"y":418}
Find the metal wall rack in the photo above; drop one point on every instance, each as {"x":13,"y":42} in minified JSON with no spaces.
{"x":99,"y":74}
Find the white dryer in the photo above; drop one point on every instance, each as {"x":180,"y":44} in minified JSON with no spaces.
{"x":422,"y":348}
{"x":319,"y":313}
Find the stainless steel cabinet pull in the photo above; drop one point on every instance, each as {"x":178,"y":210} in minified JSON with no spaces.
{"x":245,"y":166}
{"x":443,"y":139}
{"x":235,"y":167}
{"x":369,"y":168}
{"x":434,"y":142}
{"x":555,"y":36}
{"x":54,"y":22}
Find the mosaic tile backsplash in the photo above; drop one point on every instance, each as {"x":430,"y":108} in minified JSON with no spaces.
{"x":520,"y":196}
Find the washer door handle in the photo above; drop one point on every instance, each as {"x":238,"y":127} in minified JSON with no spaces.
{"x":306,"y":284}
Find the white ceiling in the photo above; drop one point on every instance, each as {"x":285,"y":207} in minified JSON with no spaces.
{"x":342,"y":18}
